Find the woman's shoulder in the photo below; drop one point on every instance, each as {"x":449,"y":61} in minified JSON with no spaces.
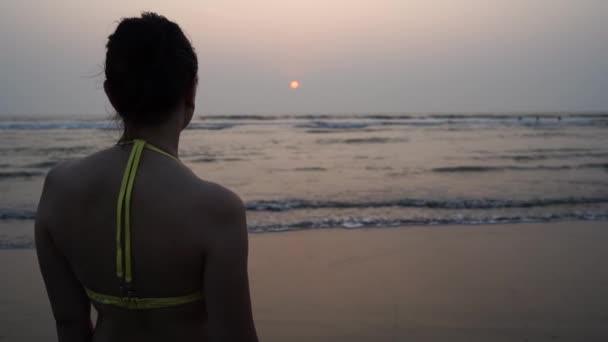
{"x":62,"y":174}
{"x":219,"y":199}
{"x":70,"y":171}
{"x":56,"y":191}
{"x":223,"y":213}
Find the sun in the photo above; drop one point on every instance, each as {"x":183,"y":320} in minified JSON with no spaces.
{"x":294,"y":84}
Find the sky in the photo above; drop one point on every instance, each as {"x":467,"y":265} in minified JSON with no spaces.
{"x":349,"y":56}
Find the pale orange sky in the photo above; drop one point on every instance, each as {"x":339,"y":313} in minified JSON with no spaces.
{"x":349,"y":55}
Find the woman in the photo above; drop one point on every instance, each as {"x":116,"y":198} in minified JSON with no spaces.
{"x":160,"y":253}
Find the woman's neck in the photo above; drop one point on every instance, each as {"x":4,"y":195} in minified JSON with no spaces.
{"x":164,"y":136}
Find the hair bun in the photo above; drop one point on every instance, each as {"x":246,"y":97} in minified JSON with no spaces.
{"x":150,"y":65}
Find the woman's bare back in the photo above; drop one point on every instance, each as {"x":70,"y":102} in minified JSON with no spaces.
{"x":187,"y":235}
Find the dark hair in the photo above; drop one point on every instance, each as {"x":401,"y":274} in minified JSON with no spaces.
{"x":149,"y":65}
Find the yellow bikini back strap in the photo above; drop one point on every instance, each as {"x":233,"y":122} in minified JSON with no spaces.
{"x":134,"y":303}
{"x":156,"y":149}
{"x":123,"y":257}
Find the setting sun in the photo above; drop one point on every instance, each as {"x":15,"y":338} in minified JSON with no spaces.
{"x":294,"y":84}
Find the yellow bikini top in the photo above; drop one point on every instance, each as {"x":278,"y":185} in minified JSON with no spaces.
{"x":128,"y":300}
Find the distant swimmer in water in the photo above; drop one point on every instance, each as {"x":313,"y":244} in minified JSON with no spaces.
{"x":160,"y":253}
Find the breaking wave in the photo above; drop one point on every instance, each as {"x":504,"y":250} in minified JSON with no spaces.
{"x":479,"y":168}
{"x":298,"y":204}
{"x":20,"y":174}
{"x":353,"y":222}
{"x":292,"y":204}
{"x":344,"y":121}
{"x":25,"y":242}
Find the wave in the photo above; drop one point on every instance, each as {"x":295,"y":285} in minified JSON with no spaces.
{"x":299,"y":204}
{"x":212,"y":160}
{"x":310,"y":168}
{"x":19,"y":242}
{"x":541,"y":156}
{"x":45,"y":164}
{"x":329,"y":121}
{"x":362,"y":122}
{"x":211,"y":127}
{"x":292,"y":204}
{"x":36,"y":125}
{"x":20,"y":174}
{"x":17,"y":214}
{"x":337,"y":125}
{"x":475,"y":168}
{"x":552,"y":150}
{"x":25,"y":242}
{"x":47,"y":150}
{"x":104,"y":125}
{"x":371,"y":140}
{"x":402,"y":116}
{"x":354,"y":223}
{"x":358,"y":223}
{"x":254,"y":117}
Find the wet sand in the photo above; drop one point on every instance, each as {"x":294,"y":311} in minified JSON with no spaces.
{"x":525,"y":282}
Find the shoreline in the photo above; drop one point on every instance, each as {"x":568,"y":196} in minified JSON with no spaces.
{"x":514,"y":282}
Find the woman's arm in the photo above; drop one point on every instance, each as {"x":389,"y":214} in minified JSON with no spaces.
{"x":226,"y":281}
{"x":69,"y":302}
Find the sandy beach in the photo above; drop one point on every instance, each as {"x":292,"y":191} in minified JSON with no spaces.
{"x":524,"y":282}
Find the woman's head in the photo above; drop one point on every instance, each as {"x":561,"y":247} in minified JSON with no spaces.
{"x":151,"y":69}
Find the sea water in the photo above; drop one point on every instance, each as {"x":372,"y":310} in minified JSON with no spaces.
{"x":346,"y":171}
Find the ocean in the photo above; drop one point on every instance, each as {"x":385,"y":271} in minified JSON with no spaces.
{"x":297,"y":172}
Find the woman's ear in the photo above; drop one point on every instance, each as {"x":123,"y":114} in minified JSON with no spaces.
{"x":190,"y":104}
{"x":106,"y":88}
{"x":191,"y":95}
